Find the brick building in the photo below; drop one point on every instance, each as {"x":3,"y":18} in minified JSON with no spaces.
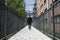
{"x":46,"y":5}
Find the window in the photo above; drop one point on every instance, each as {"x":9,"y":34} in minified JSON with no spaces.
{"x":45,"y":21}
{"x":50,"y":4}
{"x":41,"y":5}
{"x":45,"y":10}
{"x":41,"y":13}
{"x":56,"y":19}
{"x":55,"y":1}
{"x":34,"y":8}
{"x":44,"y":1}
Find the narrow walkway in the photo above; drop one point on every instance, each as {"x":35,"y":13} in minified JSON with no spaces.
{"x":26,"y":34}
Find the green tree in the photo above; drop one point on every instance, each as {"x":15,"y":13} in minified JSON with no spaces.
{"x":17,"y":6}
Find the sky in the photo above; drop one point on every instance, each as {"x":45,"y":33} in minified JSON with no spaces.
{"x":29,"y":4}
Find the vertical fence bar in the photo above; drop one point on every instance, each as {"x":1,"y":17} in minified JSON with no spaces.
{"x":43,"y":23}
{"x":0,"y":21}
{"x":5,"y":10}
{"x":53,"y":21}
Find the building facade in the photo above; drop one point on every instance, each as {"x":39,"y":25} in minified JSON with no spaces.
{"x":44,"y":7}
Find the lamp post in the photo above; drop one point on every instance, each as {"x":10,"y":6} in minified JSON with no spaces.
{"x":53,"y":21}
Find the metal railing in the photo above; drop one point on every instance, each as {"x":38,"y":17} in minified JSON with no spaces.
{"x":45,"y":23}
{"x":9,"y":23}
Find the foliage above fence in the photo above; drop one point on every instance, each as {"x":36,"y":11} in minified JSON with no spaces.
{"x":17,"y":6}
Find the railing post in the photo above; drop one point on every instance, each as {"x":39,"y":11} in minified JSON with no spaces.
{"x":43,"y":23}
{"x":5,"y":21}
{"x":53,"y":21}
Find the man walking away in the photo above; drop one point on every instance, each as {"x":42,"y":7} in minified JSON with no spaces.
{"x":29,"y":21}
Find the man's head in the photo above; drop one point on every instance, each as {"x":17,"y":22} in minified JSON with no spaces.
{"x":29,"y":15}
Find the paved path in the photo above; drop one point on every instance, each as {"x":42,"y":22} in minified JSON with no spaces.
{"x":26,"y":34}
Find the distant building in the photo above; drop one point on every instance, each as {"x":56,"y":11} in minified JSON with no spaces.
{"x":35,"y":10}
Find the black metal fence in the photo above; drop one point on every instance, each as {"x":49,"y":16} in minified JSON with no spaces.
{"x":9,"y":23}
{"x":45,"y":21}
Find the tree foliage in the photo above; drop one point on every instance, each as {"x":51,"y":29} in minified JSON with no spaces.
{"x":17,"y":6}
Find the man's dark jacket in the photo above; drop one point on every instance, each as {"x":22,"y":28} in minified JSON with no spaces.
{"x":29,"y":21}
